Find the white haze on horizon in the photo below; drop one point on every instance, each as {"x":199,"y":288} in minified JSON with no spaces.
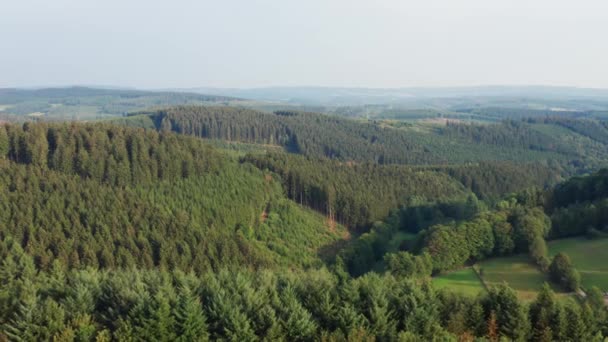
{"x":348,"y":43}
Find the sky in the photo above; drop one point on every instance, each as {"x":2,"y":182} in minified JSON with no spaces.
{"x":349,"y":43}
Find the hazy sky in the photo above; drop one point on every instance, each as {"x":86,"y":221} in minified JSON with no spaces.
{"x":249,"y":43}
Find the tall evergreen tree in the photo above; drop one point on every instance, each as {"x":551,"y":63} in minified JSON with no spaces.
{"x":190,"y":318}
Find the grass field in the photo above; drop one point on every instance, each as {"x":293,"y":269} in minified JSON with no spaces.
{"x":461,"y":281}
{"x":518,"y":272}
{"x":590,"y":257}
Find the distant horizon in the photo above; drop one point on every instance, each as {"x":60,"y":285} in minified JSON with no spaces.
{"x":304,"y":86}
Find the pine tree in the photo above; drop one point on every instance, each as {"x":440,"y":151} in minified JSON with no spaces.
{"x":296,"y":320}
{"x":153,"y":319}
{"x":190,"y":318}
{"x":559,"y":324}
{"x":50,"y":317}
{"x":575,"y":330}
{"x":542,"y":310}
{"x":162,"y":321}
{"x":509,"y":311}
{"x":590,"y":320}
{"x":349,"y":318}
{"x":84,"y":327}
{"x":23,"y":325}
{"x":125,"y":331}
{"x":476,"y":319}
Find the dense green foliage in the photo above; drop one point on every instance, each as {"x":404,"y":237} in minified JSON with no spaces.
{"x":509,"y":156}
{"x":404,"y":264}
{"x":109,"y":197}
{"x":491,"y":180}
{"x":490,"y":233}
{"x":355,"y":194}
{"x":108,"y":154}
{"x":464,"y":231}
{"x":403,"y":229}
{"x":240,"y":305}
{"x":319,"y":135}
{"x":581,"y":189}
{"x":563,"y":272}
{"x":507,"y":134}
{"x":580,"y":206}
{"x":110,"y":232}
{"x":307,"y":133}
{"x":594,"y":129}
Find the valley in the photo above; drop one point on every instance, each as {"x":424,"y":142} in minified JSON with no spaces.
{"x":296,"y":224}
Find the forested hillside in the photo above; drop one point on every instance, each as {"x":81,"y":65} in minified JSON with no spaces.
{"x":148,"y":232}
{"x":106,"y":196}
{"x":87,"y":304}
{"x":562,"y":144}
{"x":307,"y":133}
{"x":355,"y":194}
{"x":319,"y":135}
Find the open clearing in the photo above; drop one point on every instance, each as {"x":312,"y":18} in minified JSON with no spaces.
{"x":590,"y":257}
{"x":518,"y":272}
{"x":462,"y":281}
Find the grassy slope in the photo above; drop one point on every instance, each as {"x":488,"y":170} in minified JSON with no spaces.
{"x":517,"y":271}
{"x":590,"y":257}
{"x":462,"y":281}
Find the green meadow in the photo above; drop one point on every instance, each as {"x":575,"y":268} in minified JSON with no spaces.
{"x":590,"y":258}
{"x":462,"y":281}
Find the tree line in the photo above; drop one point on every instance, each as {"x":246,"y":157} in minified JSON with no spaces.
{"x":110,"y":154}
{"x":240,"y":305}
{"x":318,"y":135}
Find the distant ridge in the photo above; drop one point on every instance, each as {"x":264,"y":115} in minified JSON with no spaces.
{"x":355,"y":96}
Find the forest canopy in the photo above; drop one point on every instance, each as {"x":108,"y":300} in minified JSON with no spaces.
{"x":221,"y":223}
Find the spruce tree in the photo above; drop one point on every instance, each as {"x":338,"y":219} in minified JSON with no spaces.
{"x":190,"y":318}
